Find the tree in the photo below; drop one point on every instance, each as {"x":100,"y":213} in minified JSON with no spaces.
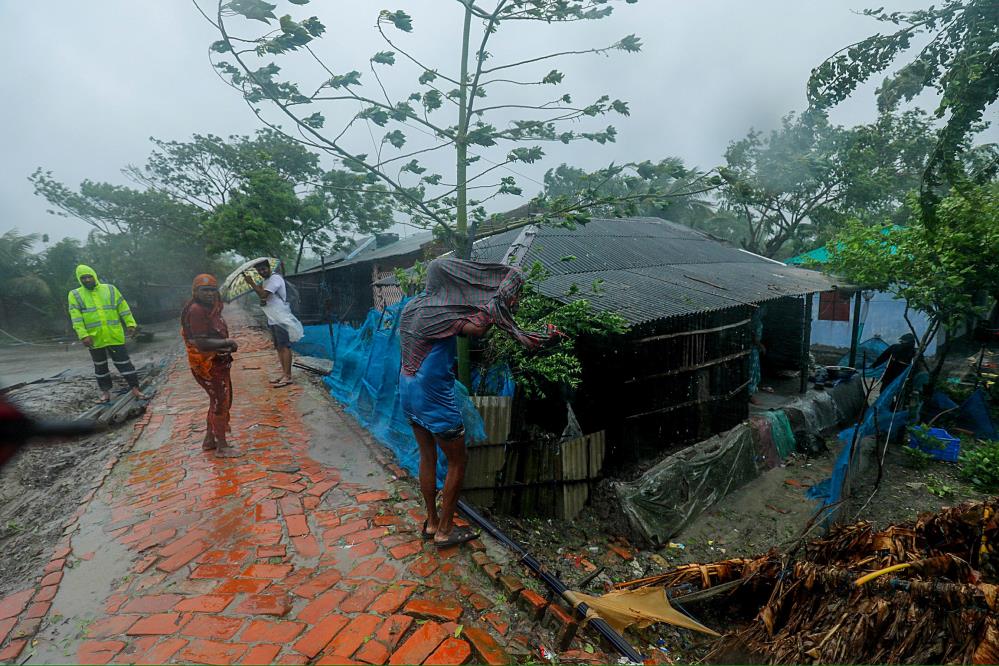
{"x":798,"y":183}
{"x":416,"y":123}
{"x":940,"y":271}
{"x":960,"y":61}
{"x":665,"y":189}
{"x":22,"y":290}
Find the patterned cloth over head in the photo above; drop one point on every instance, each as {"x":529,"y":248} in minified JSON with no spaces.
{"x":460,"y":292}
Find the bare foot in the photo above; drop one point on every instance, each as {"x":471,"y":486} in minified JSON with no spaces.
{"x":228,"y":452}
{"x":104,"y":398}
{"x":208,"y":444}
{"x":139,"y":395}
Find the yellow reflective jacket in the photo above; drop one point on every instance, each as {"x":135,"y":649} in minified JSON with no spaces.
{"x":100,"y":312}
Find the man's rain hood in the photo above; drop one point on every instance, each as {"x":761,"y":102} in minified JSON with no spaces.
{"x":82,"y":270}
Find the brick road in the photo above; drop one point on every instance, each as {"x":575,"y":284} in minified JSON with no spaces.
{"x":272,"y":557}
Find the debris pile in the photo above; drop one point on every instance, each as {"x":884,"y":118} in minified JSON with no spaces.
{"x":924,"y":592}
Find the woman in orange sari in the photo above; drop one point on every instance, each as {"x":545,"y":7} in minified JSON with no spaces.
{"x":209,"y":353}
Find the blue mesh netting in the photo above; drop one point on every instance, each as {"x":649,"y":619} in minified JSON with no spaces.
{"x":365,"y":379}
{"x":497,"y":380}
{"x":878,"y":417}
{"x":867,"y":352}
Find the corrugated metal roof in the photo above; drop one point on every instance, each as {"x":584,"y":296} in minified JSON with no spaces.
{"x":645,"y":269}
{"x":371,"y":251}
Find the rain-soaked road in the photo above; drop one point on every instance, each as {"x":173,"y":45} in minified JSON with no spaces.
{"x":306,"y":549}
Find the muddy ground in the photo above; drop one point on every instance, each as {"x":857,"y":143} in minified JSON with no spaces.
{"x":42,"y":486}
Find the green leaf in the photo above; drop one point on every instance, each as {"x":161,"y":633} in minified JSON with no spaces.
{"x":589,"y":648}
{"x":341,"y":80}
{"x":396,"y":138}
{"x":384,"y":58}
{"x":432,"y":100}
{"x":414,"y":167}
{"x":299,"y":2}
{"x":553,"y":77}
{"x":458,"y":630}
{"x":620,"y":107}
{"x":433,"y":179}
{"x":257,"y":10}
{"x":400,"y":19}
{"x":427,"y":76}
{"x":315,"y":121}
{"x":631,"y":44}
{"x":526,"y":155}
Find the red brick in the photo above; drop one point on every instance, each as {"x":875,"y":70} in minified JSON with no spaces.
{"x":262,"y":631}
{"x":406,"y":550}
{"x":180,"y":544}
{"x":318,"y":584}
{"x":343,"y":530}
{"x":98,"y":652}
{"x":451,"y":651}
{"x":486,"y":647}
{"x":153,"y":603}
{"x":293,"y":658}
{"x":290,"y":487}
{"x":290,"y":506}
{"x":479,"y":602}
{"x":12,"y":651}
{"x":211,"y":652}
{"x":320,"y":489}
{"x":37,"y":610}
{"x":268,"y":570}
{"x":366,"y":568}
{"x":215,"y":571}
{"x":533,"y":604}
{"x":206,"y":603}
{"x":313,"y":642}
{"x":445,"y":611}
{"x":373,"y":496}
{"x":493,"y":571}
{"x":335,"y":660}
{"x":497,"y":623}
{"x":353,"y":636}
{"x":362,"y":597}
{"x":54,"y":565}
{"x":162,"y":651}
{"x":261,"y":654}
{"x":374,"y":653}
{"x":5,"y":627}
{"x":512,"y":585}
{"x":386,"y":520}
{"x":420,"y":645}
{"x":266,"y":510}
{"x":423,"y":567}
{"x":182,"y":557}
{"x":215,"y":627}
{"x":366,"y":549}
{"x":238,"y":585}
{"x":15,"y":603}
{"x":111,"y":626}
{"x":265,"y":604}
{"x":53,"y":578}
{"x":306,"y":546}
{"x":321,"y":607}
{"x":310,"y":502}
{"x":263,"y":552}
{"x":365,"y":535}
{"x":46,"y":593}
{"x":159,"y":624}
{"x":392,"y":599}
{"x":393,"y":629}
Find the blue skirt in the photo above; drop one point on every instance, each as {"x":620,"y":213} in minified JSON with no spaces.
{"x":427,"y":398}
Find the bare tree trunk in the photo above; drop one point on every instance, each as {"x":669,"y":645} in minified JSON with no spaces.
{"x":464,"y":249}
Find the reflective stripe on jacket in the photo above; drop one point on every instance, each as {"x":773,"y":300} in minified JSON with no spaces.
{"x":101,"y":313}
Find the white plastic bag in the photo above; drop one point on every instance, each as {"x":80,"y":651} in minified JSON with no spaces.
{"x":279,"y":312}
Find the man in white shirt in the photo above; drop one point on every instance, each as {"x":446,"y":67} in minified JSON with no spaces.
{"x":273,"y":287}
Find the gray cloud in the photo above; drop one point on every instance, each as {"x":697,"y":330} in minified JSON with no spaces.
{"x":88,"y":83}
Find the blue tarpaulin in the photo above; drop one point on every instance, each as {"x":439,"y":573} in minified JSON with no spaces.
{"x":365,"y":379}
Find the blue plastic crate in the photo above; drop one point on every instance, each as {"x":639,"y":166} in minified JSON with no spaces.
{"x":951,"y":445}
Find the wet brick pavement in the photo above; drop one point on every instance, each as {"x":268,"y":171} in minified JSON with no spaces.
{"x":272,"y":557}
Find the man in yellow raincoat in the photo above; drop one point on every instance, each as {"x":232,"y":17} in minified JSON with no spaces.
{"x":101,"y":319}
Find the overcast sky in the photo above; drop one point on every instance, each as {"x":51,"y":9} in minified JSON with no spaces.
{"x":87,"y":83}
